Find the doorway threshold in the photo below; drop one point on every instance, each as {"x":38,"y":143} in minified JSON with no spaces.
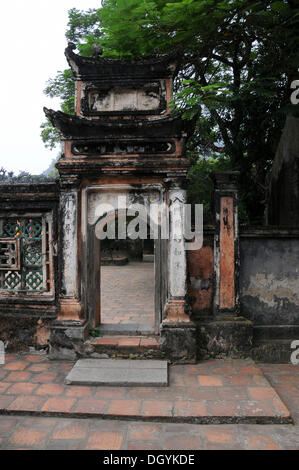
{"x":128,"y":329}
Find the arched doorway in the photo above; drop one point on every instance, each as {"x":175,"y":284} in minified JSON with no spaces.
{"x":126,"y":282}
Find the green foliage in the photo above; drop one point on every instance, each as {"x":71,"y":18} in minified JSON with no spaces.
{"x":49,"y":135}
{"x":200,"y":187}
{"x":94,"y":332}
{"x":62,"y":86}
{"x":83,"y":24}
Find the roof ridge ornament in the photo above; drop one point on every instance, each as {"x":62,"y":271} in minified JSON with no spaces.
{"x":71,"y":46}
{"x":97,"y":50}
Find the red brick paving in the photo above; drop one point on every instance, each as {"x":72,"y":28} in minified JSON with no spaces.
{"x":44,"y":377}
{"x":261,"y":393}
{"x":145,"y":432}
{"x":70,"y":430}
{"x":135,"y":445}
{"x":26,"y":403}
{"x":219,"y":435}
{"x":90,"y":406}
{"x":78,"y":391}
{"x":65,"y":433}
{"x":228,"y":408}
{"x":284,"y":379}
{"x":262,"y":442}
{"x":34,"y":358}
{"x":59,"y":404}
{"x":184,"y":399}
{"x":4,"y":386}
{"x":189,"y":408}
{"x":21,"y":388}
{"x":102,"y":440}
{"x":28,"y":437}
{"x":19,"y":365}
{"x":17,"y":377}
{"x":39,"y":367}
{"x":208,"y":381}
{"x":124,"y":408}
{"x":50,"y":389}
{"x":157,"y":409}
{"x":128,"y":294}
{"x":127,"y":342}
{"x":112,"y":341}
{"x":149,"y":343}
{"x":202,"y":392}
{"x":110,"y":392}
{"x":5,"y":401}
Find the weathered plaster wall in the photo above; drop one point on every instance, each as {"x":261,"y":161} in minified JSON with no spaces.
{"x":18,"y":334}
{"x":269,"y":280}
{"x":25,"y":316}
{"x":201,"y":278}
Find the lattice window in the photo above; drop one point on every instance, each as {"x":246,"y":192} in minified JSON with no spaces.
{"x":9,"y":254}
{"x":25,"y":263}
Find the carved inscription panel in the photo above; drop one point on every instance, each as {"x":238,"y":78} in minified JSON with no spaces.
{"x":141,"y":98}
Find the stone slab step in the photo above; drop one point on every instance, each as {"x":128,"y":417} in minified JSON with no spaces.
{"x":124,"y":373}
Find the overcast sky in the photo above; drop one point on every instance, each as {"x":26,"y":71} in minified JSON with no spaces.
{"x":32,"y":51}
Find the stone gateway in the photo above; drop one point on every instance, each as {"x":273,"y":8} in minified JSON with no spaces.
{"x":232,"y":296}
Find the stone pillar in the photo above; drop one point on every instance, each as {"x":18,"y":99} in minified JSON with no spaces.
{"x":227,"y":333}
{"x":69,"y":298}
{"x":70,"y":330}
{"x":226,"y":247}
{"x":177,"y":330}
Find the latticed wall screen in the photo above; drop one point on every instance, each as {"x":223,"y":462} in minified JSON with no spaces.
{"x":32,"y":244}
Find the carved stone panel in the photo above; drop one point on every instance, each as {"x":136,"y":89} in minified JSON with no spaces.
{"x":177,"y":254}
{"x":135,"y":98}
{"x":140,"y":147}
{"x":70,"y":243}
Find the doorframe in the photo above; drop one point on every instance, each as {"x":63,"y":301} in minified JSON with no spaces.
{"x":91,"y":273}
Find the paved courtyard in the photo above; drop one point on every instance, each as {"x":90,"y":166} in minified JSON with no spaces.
{"x":128,"y":294}
{"x":20,"y":432}
{"x":38,"y":411}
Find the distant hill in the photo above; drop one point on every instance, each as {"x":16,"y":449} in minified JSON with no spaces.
{"x":51,"y":171}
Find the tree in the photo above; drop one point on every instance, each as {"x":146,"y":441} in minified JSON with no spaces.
{"x":81,"y":25}
{"x":237,"y":59}
{"x":24,"y":177}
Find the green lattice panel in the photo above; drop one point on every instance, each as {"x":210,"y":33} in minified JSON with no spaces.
{"x":34,"y":280}
{"x":29,"y":231}
{"x":12,"y":228}
{"x":25,"y":228}
{"x":32,"y":255}
{"x":33,"y":228}
{"x":12,"y":280}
